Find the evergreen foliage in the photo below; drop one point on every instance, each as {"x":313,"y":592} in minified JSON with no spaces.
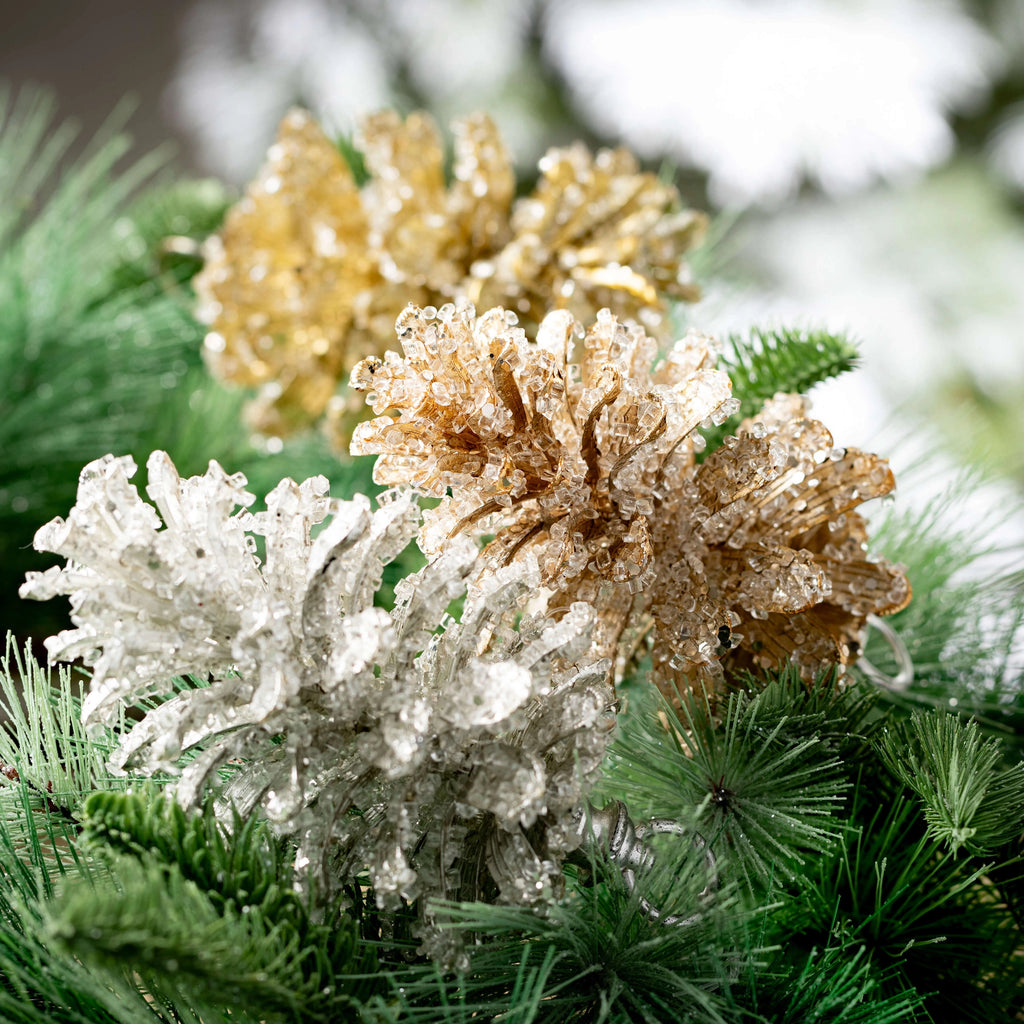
{"x":964,"y":627}
{"x":40,"y":984}
{"x":761,"y":795}
{"x":159,"y":236}
{"x":969,"y":802}
{"x":834,"y":985}
{"x":771,"y":360}
{"x":839,"y":716}
{"x":47,"y":761}
{"x":594,"y":955}
{"x":43,"y":743}
{"x":930,"y":921}
{"x":868,"y":862}
{"x":87,"y":367}
{"x":99,"y":347}
{"x":40,"y":981}
{"x":429,"y":996}
{"x":210,"y":912}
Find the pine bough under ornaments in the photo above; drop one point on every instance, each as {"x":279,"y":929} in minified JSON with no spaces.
{"x":608,"y":756}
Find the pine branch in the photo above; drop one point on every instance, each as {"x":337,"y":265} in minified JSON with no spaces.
{"x":241,"y":866}
{"x":43,"y":744}
{"x":968,"y":801}
{"x":840,"y":717}
{"x":762,"y":798}
{"x":836,"y":985}
{"x":594,"y":955}
{"x":47,"y":765}
{"x":771,"y":360}
{"x":84,"y":199}
{"x":164,"y":928}
{"x":98,"y":344}
{"x":81,"y":362}
{"x":786,"y":359}
{"x":964,"y":628}
{"x":39,"y":983}
{"x":208,"y":913}
{"x":931,"y":922}
{"x":159,"y":236}
{"x":430,"y":996}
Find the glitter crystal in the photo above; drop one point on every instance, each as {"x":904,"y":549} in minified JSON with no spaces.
{"x":309,"y":272}
{"x":322,"y":702}
{"x":571,"y":448}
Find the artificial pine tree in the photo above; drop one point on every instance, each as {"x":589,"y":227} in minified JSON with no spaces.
{"x":610,"y":749}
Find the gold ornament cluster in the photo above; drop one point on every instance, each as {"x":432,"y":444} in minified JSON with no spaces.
{"x":549,"y":423}
{"x":311,"y":269}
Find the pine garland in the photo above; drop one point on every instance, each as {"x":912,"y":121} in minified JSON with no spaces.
{"x":760,"y":795}
{"x":838,"y":854}
{"x":968,"y":801}
{"x":207,"y":911}
{"x":98,"y":342}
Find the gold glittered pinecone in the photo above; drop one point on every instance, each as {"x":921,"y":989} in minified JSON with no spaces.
{"x":762,"y":558}
{"x":310,"y":270}
{"x":572,"y":446}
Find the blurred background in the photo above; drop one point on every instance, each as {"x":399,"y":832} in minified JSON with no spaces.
{"x":863,"y":159}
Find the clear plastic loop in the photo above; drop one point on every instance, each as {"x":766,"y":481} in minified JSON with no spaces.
{"x":667,"y":825}
{"x":905,"y":673}
{"x":611,"y":830}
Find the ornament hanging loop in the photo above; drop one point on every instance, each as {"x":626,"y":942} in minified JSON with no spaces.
{"x":610,"y":831}
{"x":667,"y":825}
{"x":905,"y":664}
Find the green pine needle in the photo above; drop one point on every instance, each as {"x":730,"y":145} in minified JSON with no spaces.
{"x":47,"y":765}
{"x":98,"y":343}
{"x":598,"y":957}
{"x":159,"y":236}
{"x":964,"y":628}
{"x":353,"y":156}
{"x":82,"y":363}
{"x":840,"y":717}
{"x":837,"y":985}
{"x":771,"y":360}
{"x":44,"y":742}
{"x":762,"y":798}
{"x":429,"y":996}
{"x":931,"y":922}
{"x":208,"y":912}
{"x":245,"y":865}
{"x":40,"y":984}
{"x":167,"y":930}
{"x":969,"y":802}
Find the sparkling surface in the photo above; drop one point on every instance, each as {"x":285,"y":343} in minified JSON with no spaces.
{"x":309,"y":271}
{"x":570,"y":448}
{"x":376,"y":738}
